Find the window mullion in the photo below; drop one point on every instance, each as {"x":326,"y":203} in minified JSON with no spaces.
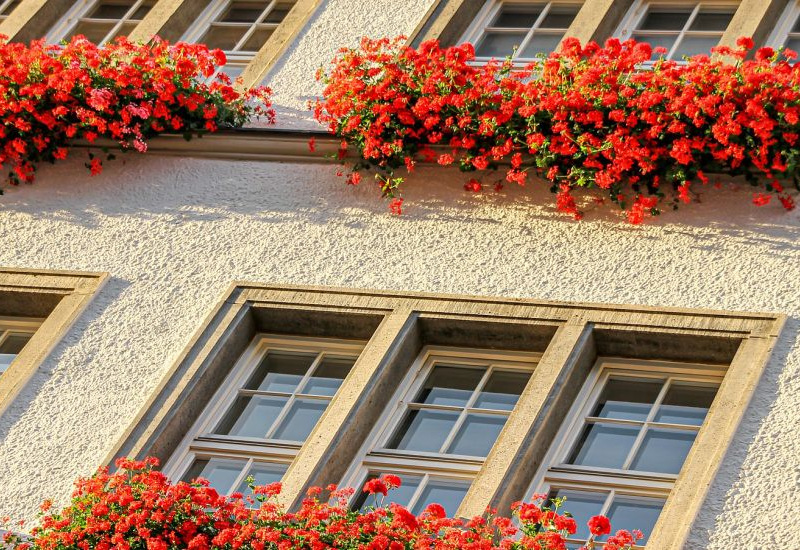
{"x":280,"y":417}
{"x":418,"y":493}
{"x":242,"y":475}
{"x":532,"y":30}
{"x":465,"y":411}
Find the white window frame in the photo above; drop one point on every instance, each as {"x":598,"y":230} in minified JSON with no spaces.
{"x":780,"y":34}
{"x":237,"y":60}
{"x":63,"y":28}
{"x":10,"y":326}
{"x":201,"y":443}
{"x":630,"y":23}
{"x":489,"y":11}
{"x":556,"y":473}
{"x":373,"y":457}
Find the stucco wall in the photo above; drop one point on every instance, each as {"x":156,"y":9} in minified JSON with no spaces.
{"x":174,"y":233}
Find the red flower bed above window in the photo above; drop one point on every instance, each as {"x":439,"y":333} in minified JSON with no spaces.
{"x":614,"y":120}
{"x":137,"y":508}
{"x":53,"y":96}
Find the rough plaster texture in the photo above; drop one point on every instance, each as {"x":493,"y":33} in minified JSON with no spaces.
{"x":174,"y":233}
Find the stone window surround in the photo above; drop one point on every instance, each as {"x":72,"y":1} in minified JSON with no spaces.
{"x":56,"y":297}
{"x":397,"y":326}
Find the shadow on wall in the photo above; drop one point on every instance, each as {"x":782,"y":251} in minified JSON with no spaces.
{"x":727,"y":487}
{"x":79,"y":332}
{"x":178,"y":191}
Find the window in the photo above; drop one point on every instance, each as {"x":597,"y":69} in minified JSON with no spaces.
{"x":441,"y":425}
{"x":101,"y":20}
{"x":6,"y":7}
{"x":629,"y":434}
{"x":239,"y":27}
{"x":520,"y":29}
{"x":14,"y":334}
{"x":268,"y":406}
{"x":684,"y":30}
{"x":787,"y":30}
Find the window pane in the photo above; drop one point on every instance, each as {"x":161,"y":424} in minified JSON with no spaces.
{"x":256,"y":40}
{"x":300,"y":420}
{"x":224,"y":37}
{"x":243,"y":12}
{"x":665,"y":42}
{"x":449,"y":386}
{"x":402,"y":495}
{"x":695,"y":45}
{"x":635,"y":513}
{"x":92,"y":30}
{"x":111,"y":9}
{"x":541,"y":44}
{"x":499,"y":45}
{"x":424,"y":431}
{"x":711,"y":21}
{"x":582,"y":505}
{"x":665,"y":19}
{"x":5,"y":361}
{"x":685,"y":404}
{"x":220,"y":473}
{"x":252,"y":416}
{"x":124,"y":30}
{"x":516,"y":17}
{"x":793,"y":44}
{"x":627,"y":399}
{"x":9,"y":8}
{"x":663,"y":451}
{"x":263,"y":474}
{"x":560,"y":17}
{"x":502,"y":390}
{"x":604,"y":446}
{"x":279,"y":12}
{"x":281,"y":371}
{"x":477,"y":435}
{"x":14,"y":343}
{"x":328,"y":376}
{"x":796,"y":27}
{"x":447,"y":493}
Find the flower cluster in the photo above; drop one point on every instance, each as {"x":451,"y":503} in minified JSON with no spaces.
{"x":52,"y":96}
{"x":617,"y":121}
{"x":137,"y":508}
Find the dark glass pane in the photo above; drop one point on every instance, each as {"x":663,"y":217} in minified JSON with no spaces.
{"x":685,"y":404}
{"x":663,"y":451}
{"x":92,"y":30}
{"x":14,"y":343}
{"x":124,"y":30}
{"x":243,"y":12}
{"x":604,"y":446}
{"x":300,"y":420}
{"x":142,"y":10}
{"x":220,"y":473}
{"x":796,"y":27}
{"x":499,"y":45}
{"x":447,"y":493}
{"x":328,"y":376}
{"x":627,"y":399}
{"x":582,"y":505}
{"x":252,"y":416}
{"x":111,"y":9}
{"x":477,"y":435}
{"x":515,"y":17}
{"x":541,"y":43}
{"x":635,"y":513}
{"x":711,"y":21}
{"x":424,"y":431}
{"x":695,"y":45}
{"x":263,"y":474}
{"x":560,"y":17}
{"x":449,"y":386}
{"x":9,"y":8}
{"x":223,"y":37}
{"x":402,"y":495}
{"x":502,"y":390}
{"x":793,"y":44}
{"x":665,"y":19}
{"x":257,"y":39}
{"x":279,"y":12}
{"x":280,"y":371}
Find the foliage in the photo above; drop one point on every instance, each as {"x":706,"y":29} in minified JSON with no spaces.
{"x":53,"y":96}
{"x":617,"y":121}
{"x":137,"y":508}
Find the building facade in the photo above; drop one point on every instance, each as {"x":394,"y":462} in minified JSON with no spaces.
{"x":231,"y":307}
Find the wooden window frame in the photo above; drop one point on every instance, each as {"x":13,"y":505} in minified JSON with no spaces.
{"x":78,"y":12}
